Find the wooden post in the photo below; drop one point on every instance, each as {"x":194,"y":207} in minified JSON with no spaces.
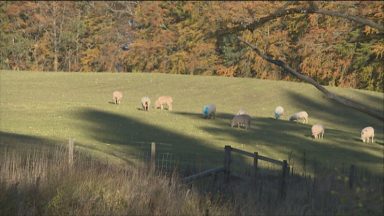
{"x":283,"y":186}
{"x":352,"y":171}
{"x":71,"y":145}
{"x":153,"y":156}
{"x":227,"y":162}
{"x":255,"y":164}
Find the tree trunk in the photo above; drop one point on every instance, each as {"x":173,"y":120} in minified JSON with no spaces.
{"x":327,"y":93}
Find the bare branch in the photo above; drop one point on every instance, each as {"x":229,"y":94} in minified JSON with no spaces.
{"x":328,"y":94}
{"x":351,"y":17}
{"x":312,"y":8}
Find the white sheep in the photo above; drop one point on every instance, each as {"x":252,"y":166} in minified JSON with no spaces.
{"x":279,"y":111}
{"x":302,"y":115}
{"x":209,"y":111}
{"x":145,"y":103}
{"x":241,"y":112}
{"x":117,"y":96}
{"x":318,"y":131}
{"x":164,"y":100}
{"x":241,"y":120}
{"x":367,"y":133}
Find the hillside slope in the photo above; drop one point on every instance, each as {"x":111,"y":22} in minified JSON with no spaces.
{"x":45,"y":108}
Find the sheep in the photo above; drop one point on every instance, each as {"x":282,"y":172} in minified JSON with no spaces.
{"x":241,"y":120}
{"x":145,"y":102}
{"x":279,"y":111}
{"x":299,"y":116}
{"x":241,"y":112}
{"x":117,"y":96}
{"x":366,"y":133}
{"x":318,"y":131}
{"x":209,"y":111}
{"x":164,"y":100}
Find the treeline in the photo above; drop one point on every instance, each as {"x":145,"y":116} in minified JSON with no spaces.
{"x":184,"y":38}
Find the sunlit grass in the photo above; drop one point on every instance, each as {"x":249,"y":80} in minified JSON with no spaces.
{"x":57,"y":106}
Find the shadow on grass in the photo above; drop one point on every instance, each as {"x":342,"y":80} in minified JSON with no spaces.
{"x":132,"y":136}
{"x":13,"y":140}
{"x":374,"y":101}
{"x":335,"y":112}
{"x":21,"y":143}
{"x":287,"y":137}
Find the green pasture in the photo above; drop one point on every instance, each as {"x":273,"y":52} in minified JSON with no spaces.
{"x":41,"y":108}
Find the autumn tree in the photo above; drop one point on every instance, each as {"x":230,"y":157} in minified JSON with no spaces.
{"x":344,"y":49}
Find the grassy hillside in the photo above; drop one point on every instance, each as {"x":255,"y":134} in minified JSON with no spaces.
{"x":45,"y":108}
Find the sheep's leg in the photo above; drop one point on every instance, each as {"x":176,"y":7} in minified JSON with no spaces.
{"x":170,"y":107}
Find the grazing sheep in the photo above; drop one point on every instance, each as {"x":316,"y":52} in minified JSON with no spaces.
{"x":318,"y":131}
{"x":241,"y":112}
{"x":145,"y":102}
{"x":241,"y":120}
{"x":279,"y":111}
{"x":117,"y":96}
{"x":367,"y":133}
{"x":299,"y":116}
{"x":164,"y":100}
{"x":209,"y":111}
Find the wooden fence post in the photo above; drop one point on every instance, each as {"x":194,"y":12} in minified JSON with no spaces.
{"x":352,"y":172}
{"x":255,"y":164}
{"x":227,"y":162}
{"x":283,"y":186}
{"x":153,"y":156}
{"x":71,"y":145}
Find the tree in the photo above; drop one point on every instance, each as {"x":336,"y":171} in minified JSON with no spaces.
{"x":272,"y":59}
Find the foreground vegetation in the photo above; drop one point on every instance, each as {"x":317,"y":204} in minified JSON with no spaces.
{"x":39,"y":181}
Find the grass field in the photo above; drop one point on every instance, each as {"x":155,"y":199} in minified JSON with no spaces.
{"x":47,"y":108}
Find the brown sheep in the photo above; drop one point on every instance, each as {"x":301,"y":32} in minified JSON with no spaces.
{"x":367,"y":133}
{"x":318,"y":131}
{"x":117,"y":96}
{"x":164,"y":100}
